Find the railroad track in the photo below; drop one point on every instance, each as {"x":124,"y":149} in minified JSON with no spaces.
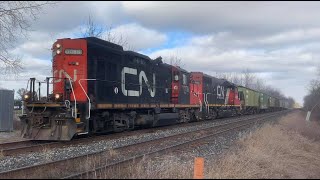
{"x":24,"y":147}
{"x":207,"y":133}
{"x":29,"y":146}
{"x":16,"y":144}
{"x":15,"y":148}
{"x":109,"y":158}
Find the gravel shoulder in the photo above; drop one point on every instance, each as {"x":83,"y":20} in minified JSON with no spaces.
{"x":47,"y":155}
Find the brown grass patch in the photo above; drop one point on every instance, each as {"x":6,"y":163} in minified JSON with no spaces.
{"x":1,"y":154}
{"x":275,"y":151}
{"x":283,"y":150}
{"x":288,"y":149}
{"x":10,"y":136}
{"x":168,"y":167}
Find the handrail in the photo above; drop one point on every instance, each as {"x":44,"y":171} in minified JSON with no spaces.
{"x":75,"y":100}
{"x":86,"y":94}
{"x":208,"y":108}
{"x":200,"y":102}
{"x":205,"y":101}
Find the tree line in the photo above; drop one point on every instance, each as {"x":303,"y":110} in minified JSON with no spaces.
{"x":312,"y":99}
{"x":252,"y":81}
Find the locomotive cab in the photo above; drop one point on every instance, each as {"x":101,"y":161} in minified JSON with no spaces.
{"x":61,"y":114}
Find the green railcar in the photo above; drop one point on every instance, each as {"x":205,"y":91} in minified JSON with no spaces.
{"x":248,"y":97}
{"x":277,"y":103}
{"x":272,"y":102}
{"x":264,"y":102}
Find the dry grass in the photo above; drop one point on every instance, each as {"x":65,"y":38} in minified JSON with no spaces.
{"x":16,"y":124}
{"x":1,"y":154}
{"x":275,"y":151}
{"x":10,"y":136}
{"x":47,"y":153}
{"x":288,"y":149}
{"x":168,"y":167}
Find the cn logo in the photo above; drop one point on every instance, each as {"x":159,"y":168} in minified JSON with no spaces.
{"x":62,"y":74}
{"x":142,"y":77}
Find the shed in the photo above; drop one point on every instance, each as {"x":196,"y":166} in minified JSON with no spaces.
{"x":6,"y":109}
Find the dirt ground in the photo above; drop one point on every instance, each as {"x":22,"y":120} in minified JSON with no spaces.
{"x":296,"y":122}
{"x":14,"y":135}
{"x":10,"y":136}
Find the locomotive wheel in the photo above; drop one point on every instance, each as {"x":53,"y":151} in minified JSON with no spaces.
{"x":184,"y":116}
{"x":197,"y":115}
{"x":234,"y":112}
{"x":213,"y":114}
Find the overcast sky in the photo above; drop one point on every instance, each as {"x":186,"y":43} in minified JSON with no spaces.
{"x":277,"y":40}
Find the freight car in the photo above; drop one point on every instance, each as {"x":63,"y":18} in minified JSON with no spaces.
{"x":249,"y":100}
{"x":98,"y":87}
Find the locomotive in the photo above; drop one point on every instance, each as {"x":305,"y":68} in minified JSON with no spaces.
{"x":98,"y":87}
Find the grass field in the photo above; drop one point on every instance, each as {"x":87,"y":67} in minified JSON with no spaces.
{"x":288,"y":149}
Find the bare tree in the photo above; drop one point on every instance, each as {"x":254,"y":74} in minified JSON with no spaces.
{"x":15,"y":21}
{"x":313,"y":96}
{"x":291,"y":102}
{"x":252,"y":81}
{"x":248,"y":78}
{"x":119,"y":39}
{"x":93,"y":29}
{"x":174,"y":59}
{"x":21,"y":92}
{"x":259,"y":84}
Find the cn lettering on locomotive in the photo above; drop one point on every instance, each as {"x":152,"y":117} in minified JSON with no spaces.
{"x":142,"y":77}
{"x":63,"y":74}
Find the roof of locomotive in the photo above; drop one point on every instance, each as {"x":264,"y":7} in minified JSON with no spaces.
{"x":102,"y":42}
{"x":114,"y":46}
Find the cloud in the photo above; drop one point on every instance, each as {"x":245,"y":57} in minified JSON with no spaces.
{"x":139,"y":37}
{"x":277,"y":40}
{"x":67,"y":15}
{"x":249,"y":18}
{"x":37,"y":68}
{"x":288,"y":68}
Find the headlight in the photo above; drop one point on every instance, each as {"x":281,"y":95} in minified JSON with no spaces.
{"x":26,"y":96}
{"x":58,"y":51}
{"x":57,"y":96}
{"x":58,"y":45}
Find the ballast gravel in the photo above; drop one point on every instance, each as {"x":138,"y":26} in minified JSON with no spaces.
{"x":210,"y":149}
{"x":47,"y":155}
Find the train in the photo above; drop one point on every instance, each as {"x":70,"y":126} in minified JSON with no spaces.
{"x":98,"y":87}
